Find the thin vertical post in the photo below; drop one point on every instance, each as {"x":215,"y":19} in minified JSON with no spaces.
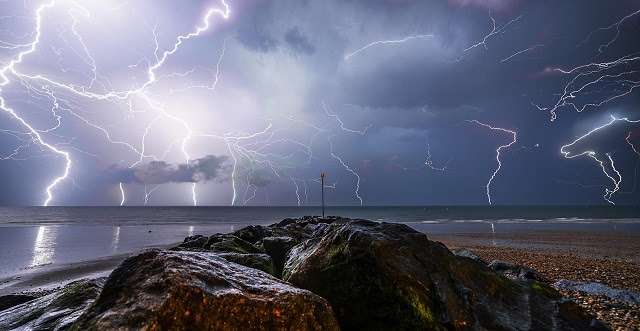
{"x":322,"y":181}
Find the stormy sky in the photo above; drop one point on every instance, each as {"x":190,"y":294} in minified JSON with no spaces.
{"x":398,"y":102}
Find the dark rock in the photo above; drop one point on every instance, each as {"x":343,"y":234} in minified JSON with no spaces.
{"x":631,"y":297}
{"x":56,"y":311}
{"x":8,"y":301}
{"x":517,"y":270}
{"x":256,"y":261}
{"x":197,"y":241}
{"x":463,"y":252}
{"x":253,"y":233}
{"x":162,"y":290}
{"x":228,"y":243}
{"x":277,"y":248}
{"x":389,"y":276}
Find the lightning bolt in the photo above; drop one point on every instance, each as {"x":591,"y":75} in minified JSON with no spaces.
{"x":574,"y":89}
{"x":363,"y":131}
{"x":498,"y":151}
{"x":611,"y":78}
{"x":123,"y":197}
{"x":348,"y":169}
{"x":616,"y":25}
{"x":497,"y":29}
{"x":382,"y":42}
{"x":615,"y":177}
{"x":83,"y":91}
{"x":34,"y":133}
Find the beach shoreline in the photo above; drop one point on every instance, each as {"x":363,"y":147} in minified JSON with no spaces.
{"x":606,"y":257}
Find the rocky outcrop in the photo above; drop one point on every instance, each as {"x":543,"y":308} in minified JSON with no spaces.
{"x":197,"y":241}
{"x":227,"y":243}
{"x":277,"y":248}
{"x":253,"y":233}
{"x":389,"y":276}
{"x":628,"y":296}
{"x":8,"y":301}
{"x":159,"y":290}
{"x":517,"y":270}
{"x":463,"y":252}
{"x":56,"y":311}
{"x":256,"y":261}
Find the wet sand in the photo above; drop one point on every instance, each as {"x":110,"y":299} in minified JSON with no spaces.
{"x":609,"y":258}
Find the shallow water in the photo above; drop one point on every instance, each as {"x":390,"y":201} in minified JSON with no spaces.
{"x":33,"y":238}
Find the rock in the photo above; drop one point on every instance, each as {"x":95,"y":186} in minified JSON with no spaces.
{"x":253,"y":233}
{"x":517,"y":270}
{"x":56,"y":311}
{"x":389,"y":276}
{"x":8,"y":301}
{"x":161,"y":290}
{"x":631,"y":297}
{"x":256,"y":261}
{"x":463,"y":252}
{"x":305,"y":228}
{"x":228,"y":243}
{"x":197,"y":241}
{"x":277,"y":248}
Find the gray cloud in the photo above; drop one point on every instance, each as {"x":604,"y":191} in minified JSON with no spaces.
{"x":205,"y":169}
{"x":299,"y":42}
{"x":257,"y":39}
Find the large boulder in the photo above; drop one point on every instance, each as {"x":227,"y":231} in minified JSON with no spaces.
{"x":389,"y":276}
{"x":256,"y":261}
{"x":228,"y":243}
{"x":517,"y":270}
{"x":628,"y":296}
{"x":253,"y":233}
{"x":277,"y":248}
{"x":197,"y":241}
{"x":161,"y":290}
{"x":56,"y":311}
{"x":463,"y":252}
{"x":12,"y":300}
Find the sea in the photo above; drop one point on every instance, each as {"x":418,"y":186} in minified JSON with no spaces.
{"x":33,"y":238}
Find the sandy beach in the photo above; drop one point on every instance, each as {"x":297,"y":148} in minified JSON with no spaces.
{"x":604,"y":257}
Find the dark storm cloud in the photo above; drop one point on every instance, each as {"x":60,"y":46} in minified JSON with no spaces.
{"x":204,"y":169}
{"x":299,"y":42}
{"x":257,"y":39}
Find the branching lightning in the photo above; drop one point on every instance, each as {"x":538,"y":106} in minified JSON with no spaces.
{"x":83,"y":91}
{"x":498,"y":151}
{"x":357,"y":192}
{"x":613,"y":174}
{"x":614,"y":25}
{"x":607,"y":80}
{"x":497,"y":29}
{"x":382,"y":42}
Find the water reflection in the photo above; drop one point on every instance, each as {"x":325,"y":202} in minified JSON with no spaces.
{"x":493,"y":232}
{"x":116,"y":239}
{"x":44,"y":246}
{"x":191,"y":231}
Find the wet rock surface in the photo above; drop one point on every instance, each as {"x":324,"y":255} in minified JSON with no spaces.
{"x":8,"y":301}
{"x":56,"y":311}
{"x":256,"y":261}
{"x":381,"y":275}
{"x":517,"y":270}
{"x":160,"y":290}
{"x":630,"y":297}
{"x":253,"y":233}
{"x":277,"y":248}
{"x":463,"y":252}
